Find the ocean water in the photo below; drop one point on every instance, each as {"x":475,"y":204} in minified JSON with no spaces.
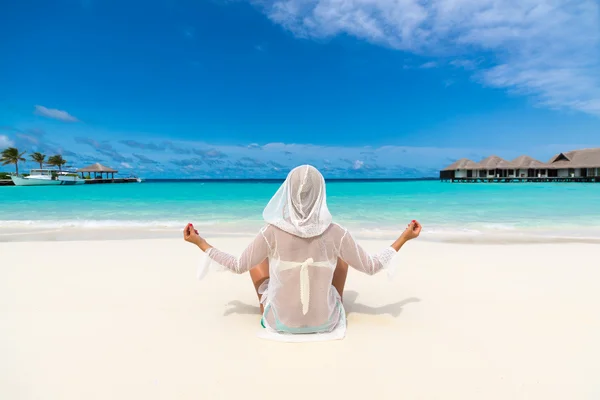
{"x":371,"y":209}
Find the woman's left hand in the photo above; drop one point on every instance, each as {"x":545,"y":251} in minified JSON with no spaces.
{"x":191,"y":235}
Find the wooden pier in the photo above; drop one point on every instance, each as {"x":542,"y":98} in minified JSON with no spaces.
{"x":590,"y":179}
{"x":116,"y":180}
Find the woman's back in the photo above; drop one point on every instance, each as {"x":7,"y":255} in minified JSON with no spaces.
{"x":299,"y":296}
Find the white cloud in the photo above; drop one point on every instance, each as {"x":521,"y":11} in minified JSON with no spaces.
{"x":276,"y":159}
{"x":54,"y":114}
{"x":357,"y":164}
{"x":291,"y":154}
{"x":465,"y":64}
{"x":547,"y":49}
{"x":280,"y":157}
{"x":28,"y":138}
{"x":428,"y":65}
{"x":5,"y":142}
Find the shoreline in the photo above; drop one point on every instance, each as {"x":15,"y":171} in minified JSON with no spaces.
{"x":512,"y":237}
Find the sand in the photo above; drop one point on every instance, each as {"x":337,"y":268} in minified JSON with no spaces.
{"x":127,"y":319}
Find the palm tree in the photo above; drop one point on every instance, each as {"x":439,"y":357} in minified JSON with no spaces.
{"x":12,"y":156}
{"x":38,"y":158}
{"x":57,"y":161}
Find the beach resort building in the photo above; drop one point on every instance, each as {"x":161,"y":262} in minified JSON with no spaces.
{"x":573,"y":166}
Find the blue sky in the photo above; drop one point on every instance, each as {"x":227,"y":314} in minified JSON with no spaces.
{"x":358,"y":88}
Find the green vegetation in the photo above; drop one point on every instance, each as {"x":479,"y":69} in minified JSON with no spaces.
{"x":57,"y":161}
{"x":11,"y":155}
{"x":38,"y":158}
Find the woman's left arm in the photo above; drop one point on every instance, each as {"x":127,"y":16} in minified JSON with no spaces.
{"x":255,"y":253}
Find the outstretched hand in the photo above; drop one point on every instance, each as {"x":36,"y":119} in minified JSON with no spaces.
{"x":191,"y":235}
{"x":412,"y":231}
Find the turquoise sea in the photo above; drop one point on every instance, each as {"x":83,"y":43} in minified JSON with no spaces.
{"x":372,"y":209}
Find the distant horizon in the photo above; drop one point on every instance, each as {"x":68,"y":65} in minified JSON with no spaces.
{"x":268,"y":180}
{"x":278,"y":180}
{"x":368,"y":174}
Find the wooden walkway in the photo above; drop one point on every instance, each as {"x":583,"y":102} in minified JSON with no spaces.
{"x":522,"y":180}
{"x":116,"y":180}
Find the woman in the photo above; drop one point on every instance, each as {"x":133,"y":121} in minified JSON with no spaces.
{"x":298,"y":262}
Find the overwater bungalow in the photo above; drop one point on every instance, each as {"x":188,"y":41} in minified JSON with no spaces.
{"x":462,"y":168}
{"x":527,"y":167}
{"x":493,"y":166}
{"x":98,"y":170}
{"x":573,"y":166}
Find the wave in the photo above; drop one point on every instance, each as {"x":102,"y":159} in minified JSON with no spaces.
{"x":100,"y":224}
{"x":483,"y":233}
{"x":490,"y":234}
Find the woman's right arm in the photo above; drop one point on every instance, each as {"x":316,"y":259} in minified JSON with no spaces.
{"x":254,"y":254}
{"x":355,"y":256}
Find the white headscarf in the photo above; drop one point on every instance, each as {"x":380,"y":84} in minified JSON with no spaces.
{"x":299,"y":207}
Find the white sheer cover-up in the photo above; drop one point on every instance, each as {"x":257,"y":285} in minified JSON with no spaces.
{"x":302,"y":246}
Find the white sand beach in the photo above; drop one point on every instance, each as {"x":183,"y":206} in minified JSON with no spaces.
{"x":128,"y":319}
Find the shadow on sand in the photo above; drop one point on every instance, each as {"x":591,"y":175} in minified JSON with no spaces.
{"x":350,"y":304}
{"x":237,"y":307}
{"x":393,"y":309}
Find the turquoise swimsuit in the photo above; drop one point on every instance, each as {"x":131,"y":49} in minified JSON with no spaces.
{"x":313,"y":329}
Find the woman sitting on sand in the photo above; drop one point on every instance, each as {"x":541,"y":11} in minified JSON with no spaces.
{"x":299,"y":261}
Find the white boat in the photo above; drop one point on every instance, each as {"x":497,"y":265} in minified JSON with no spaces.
{"x":47,"y":177}
{"x":137,"y":178}
{"x":70,"y":178}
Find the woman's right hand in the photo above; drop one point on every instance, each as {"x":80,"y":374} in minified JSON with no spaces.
{"x":412,"y":231}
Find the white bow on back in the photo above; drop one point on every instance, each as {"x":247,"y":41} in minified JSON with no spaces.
{"x":304,"y":278}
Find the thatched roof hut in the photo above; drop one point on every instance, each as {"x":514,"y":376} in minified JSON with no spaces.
{"x":585,"y":158}
{"x":526,"y":162}
{"x":494,"y":162}
{"x":98,"y":170}
{"x":97,"y":167}
{"x":463,"y":163}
